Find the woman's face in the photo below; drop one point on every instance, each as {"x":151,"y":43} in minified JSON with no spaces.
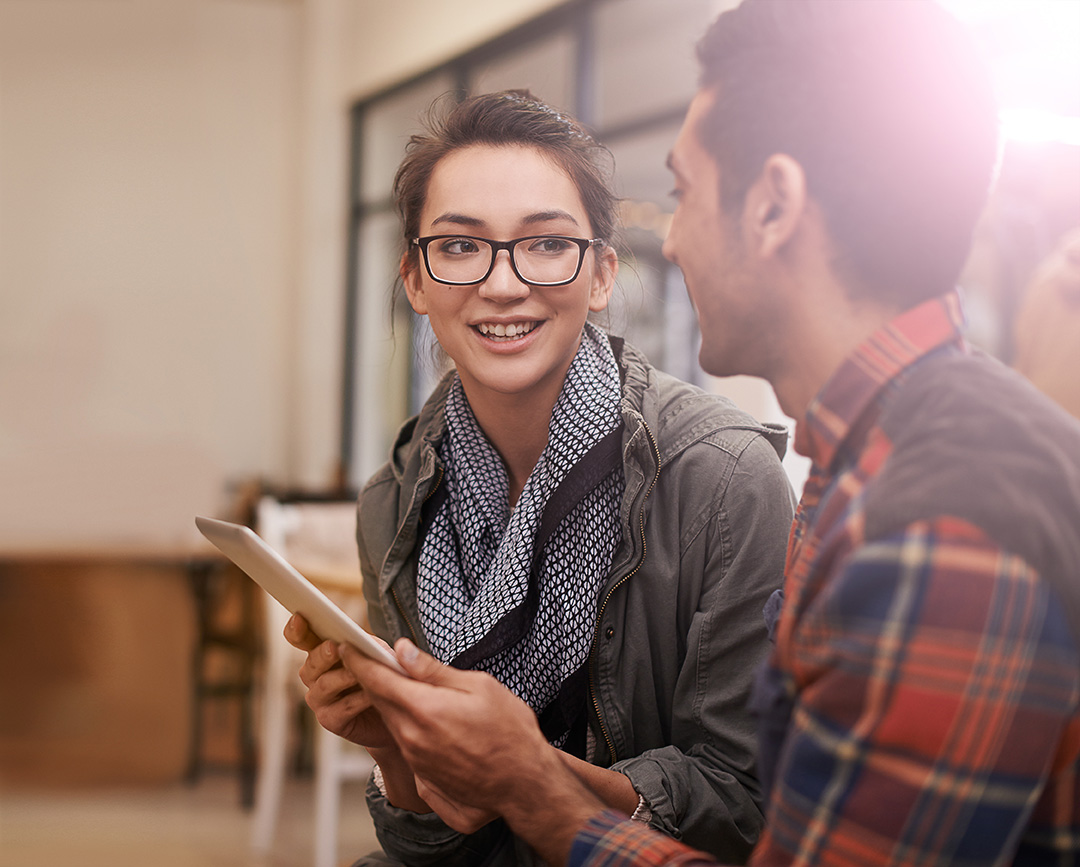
{"x":502,"y":193}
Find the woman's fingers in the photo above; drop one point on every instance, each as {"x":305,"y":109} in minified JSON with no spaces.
{"x":299,"y":634}
{"x":322,"y":658}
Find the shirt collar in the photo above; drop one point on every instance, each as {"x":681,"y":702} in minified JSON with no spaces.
{"x":854,"y":385}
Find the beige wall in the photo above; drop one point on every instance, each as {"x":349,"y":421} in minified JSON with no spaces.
{"x":147,"y":194}
{"x":390,"y":41}
{"x":172,"y":215}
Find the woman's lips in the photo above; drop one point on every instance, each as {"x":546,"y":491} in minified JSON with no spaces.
{"x":500,"y":331}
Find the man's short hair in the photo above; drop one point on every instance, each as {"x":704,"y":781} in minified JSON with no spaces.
{"x":888,"y":108}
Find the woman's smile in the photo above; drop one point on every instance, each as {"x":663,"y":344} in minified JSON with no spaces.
{"x":516,"y":339}
{"x":504,"y":332}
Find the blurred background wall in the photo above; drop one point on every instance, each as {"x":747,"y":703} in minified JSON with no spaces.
{"x":172,"y":246}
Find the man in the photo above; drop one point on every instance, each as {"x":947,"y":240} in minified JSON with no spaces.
{"x":922,"y":703}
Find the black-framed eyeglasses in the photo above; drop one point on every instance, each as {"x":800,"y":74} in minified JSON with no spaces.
{"x":539,"y":260}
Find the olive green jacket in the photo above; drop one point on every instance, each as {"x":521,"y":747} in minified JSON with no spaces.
{"x":679,"y":630}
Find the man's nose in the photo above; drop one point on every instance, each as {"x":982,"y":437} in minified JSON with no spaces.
{"x":668,"y":248}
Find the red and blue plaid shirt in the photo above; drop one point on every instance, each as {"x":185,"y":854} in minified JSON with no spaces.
{"x":934,"y":677}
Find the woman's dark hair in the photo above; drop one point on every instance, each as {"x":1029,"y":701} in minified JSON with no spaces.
{"x":510,"y":117}
{"x":890,"y":112}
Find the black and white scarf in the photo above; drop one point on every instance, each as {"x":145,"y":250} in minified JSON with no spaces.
{"x":488,"y":598}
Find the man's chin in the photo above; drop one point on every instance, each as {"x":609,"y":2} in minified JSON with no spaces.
{"x":714,"y":366}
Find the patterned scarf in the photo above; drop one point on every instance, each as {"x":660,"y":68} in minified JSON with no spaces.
{"x":473,"y":586}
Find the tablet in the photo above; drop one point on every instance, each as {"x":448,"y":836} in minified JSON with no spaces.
{"x":278,"y":578}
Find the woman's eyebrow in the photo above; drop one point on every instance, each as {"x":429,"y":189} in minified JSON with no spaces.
{"x":548,"y":217}
{"x":534,"y":219}
{"x":459,"y":220}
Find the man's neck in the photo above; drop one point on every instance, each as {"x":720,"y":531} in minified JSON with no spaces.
{"x":831,"y":329}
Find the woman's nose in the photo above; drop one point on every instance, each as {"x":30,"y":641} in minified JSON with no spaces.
{"x":502,"y":283}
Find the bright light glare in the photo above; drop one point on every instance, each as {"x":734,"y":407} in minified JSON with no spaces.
{"x":1032,"y":125}
{"x":1033,"y":51}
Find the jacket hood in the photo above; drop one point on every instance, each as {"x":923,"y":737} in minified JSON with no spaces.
{"x":660,"y":398}
{"x":432,"y":420}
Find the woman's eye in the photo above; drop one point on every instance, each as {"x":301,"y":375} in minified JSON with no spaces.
{"x":549,"y":245}
{"x":458,"y":246}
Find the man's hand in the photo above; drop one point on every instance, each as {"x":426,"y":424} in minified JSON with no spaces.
{"x":451,"y":725}
{"x":462,"y":818}
{"x":474,"y":743}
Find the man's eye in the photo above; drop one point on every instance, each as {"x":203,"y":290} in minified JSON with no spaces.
{"x":676,"y":194}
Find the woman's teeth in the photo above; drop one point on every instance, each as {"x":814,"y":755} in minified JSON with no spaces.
{"x":507,"y":332}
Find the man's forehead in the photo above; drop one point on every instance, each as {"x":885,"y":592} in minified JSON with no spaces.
{"x":701,"y":104}
{"x":689,"y":142}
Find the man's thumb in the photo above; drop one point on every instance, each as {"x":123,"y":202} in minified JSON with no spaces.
{"x":419,"y":665}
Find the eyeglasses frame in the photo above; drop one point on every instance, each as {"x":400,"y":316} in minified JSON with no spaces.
{"x":583,"y":245}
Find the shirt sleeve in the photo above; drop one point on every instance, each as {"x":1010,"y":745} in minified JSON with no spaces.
{"x":935,"y":678}
{"x":611,"y":840}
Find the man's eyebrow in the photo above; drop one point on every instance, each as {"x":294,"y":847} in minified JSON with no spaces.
{"x":670,"y":163}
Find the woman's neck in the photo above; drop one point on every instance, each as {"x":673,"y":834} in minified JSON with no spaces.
{"x":517,"y":426}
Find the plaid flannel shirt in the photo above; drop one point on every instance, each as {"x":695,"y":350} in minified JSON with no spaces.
{"x":935,"y":680}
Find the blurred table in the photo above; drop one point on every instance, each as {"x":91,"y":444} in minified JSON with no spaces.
{"x":105,"y":645}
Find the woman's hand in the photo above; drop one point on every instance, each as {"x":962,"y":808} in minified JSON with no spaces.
{"x":333,"y":692}
{"x":343,"y":707}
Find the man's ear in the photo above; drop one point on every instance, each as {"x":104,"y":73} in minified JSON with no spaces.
{"x":776,"y":203}
{"x":607,"y":267}
{"x":414,"y":286}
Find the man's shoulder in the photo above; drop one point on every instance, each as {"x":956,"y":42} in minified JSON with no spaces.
{"x":968,"y":388}
{"x":972,"y":439}
{"x":962,"y":426}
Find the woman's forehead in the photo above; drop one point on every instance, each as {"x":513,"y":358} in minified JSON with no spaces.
{"x":499,"y":185}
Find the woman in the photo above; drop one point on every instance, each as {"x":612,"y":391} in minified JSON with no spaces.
{"x":1047,"y":331}
{"x":596,"y":534}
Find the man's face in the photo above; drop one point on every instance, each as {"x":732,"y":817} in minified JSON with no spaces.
{"x":708,"y":246}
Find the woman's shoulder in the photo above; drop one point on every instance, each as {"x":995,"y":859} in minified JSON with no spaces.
{"x":416,"y":435}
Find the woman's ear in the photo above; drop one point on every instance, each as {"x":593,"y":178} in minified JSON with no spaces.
{"x":607,"y":267}
{"x":414,"y":285}
{"x":776,"y":203}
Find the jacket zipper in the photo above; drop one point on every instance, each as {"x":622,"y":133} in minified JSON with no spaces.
{"x":393,"y":590}
{"x":623,"y":580}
